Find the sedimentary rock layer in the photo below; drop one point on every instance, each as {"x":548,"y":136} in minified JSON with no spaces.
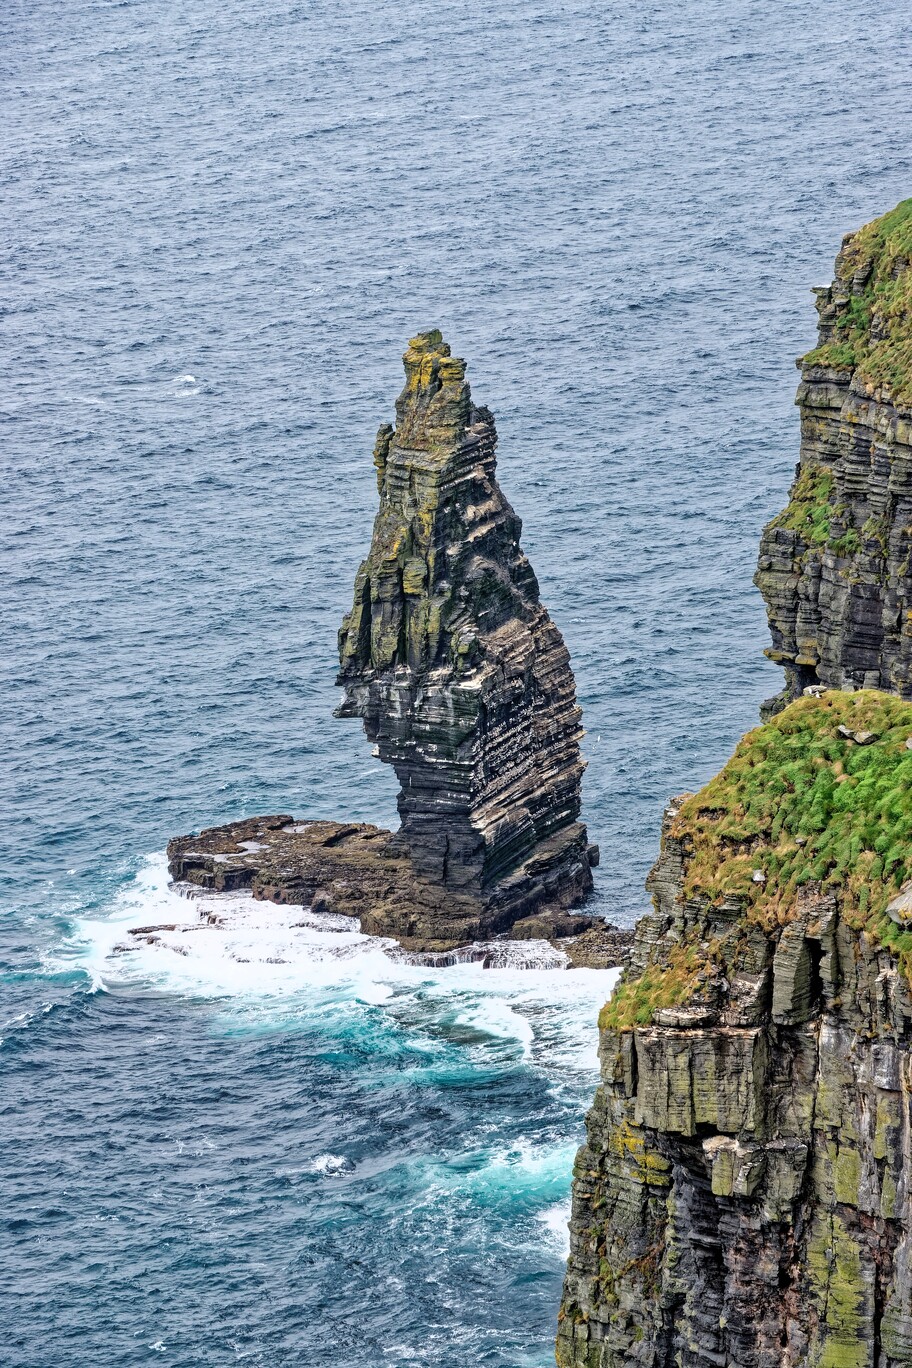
{"x":462,"y":679}
{"x":834,"y":566}
{"x":744,"y":1196}
{"x":356,"y":870}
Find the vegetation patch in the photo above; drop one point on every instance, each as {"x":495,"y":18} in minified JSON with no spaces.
{"x":798,"y":803}
{"x":809,"y":509}
{"x":838,"y":1288}
{"x":873,"y":331}
{"x":669,"y":985}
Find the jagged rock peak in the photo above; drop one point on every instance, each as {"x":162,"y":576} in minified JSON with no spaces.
{"x":834,"y":566}
{"x":461,"y":678}
{"x":434,"y":407}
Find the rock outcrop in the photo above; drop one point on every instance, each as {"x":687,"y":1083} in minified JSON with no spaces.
{"x":835,"y":567}
{"x":465,"y":687}
{"x":461,"y":678}
{"x":744,"y":1195}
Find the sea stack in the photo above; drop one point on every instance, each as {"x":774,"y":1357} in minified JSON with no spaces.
{"x":464,"y":685}
{"x":462,"y":679}
{"x":744,"y":1195}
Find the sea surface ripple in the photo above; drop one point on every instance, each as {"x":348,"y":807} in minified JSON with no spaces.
{"x":221,"y":224}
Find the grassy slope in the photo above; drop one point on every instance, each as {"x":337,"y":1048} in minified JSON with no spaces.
{"x":798,"y":803}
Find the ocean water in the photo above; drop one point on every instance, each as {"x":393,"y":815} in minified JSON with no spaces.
{"x":277,"y":1145}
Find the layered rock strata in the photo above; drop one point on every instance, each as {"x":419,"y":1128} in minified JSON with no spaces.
{"x":357,"y":870}
{"x":460,"y":676}
{"x":835,"y":566}
{"x":353,"y":869}
{"x":464,"y":685}
{"x":744,"y":1195}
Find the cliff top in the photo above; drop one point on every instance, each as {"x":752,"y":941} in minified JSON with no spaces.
{"x":866,"y":315}
{"x":820,"y":793}
{"x":817,"y":796}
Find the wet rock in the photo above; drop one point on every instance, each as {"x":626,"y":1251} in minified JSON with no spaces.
{"x":602,"y":946}
{"x":550,"y":926}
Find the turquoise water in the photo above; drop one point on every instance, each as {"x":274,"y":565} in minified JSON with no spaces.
{"x":222,"y":224}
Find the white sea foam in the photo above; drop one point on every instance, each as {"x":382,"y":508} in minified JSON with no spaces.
{"x":556,"y":1219}
{"x":268,"y":958}
{"x":16,"y":1023}
{"x":330,"y":1165}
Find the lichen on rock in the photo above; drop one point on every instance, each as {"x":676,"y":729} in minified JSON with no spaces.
{"x":461,"y":678}
{"x":465,"y":687}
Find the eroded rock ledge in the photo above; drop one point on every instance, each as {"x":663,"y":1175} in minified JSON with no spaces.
{"x":357,"y":870}
{"x":464,"y":685}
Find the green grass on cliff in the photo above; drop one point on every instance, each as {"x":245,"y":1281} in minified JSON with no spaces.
{"x":797,"y":803}
{"x":800,"y":803}
{"x":809,"y":509}
{"x":873,"y":334}
{"x":635,"y":1000}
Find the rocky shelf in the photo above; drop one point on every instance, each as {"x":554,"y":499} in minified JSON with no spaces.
{"x":361,"y":871}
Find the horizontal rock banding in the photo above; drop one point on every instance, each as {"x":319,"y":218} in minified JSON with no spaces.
{"x":465,"y":687}
{"x":461,"y":678}
{"x":356,"y":870}
{"x":834,"y":566}
{"x":744,"y":1195}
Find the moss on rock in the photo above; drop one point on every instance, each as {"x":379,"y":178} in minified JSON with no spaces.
{"x":809,"y":509}
{"x":637,"y":998}
{"x":801,"y":801}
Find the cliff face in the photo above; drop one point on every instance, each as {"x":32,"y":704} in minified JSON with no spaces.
{"x":744,"y":1196}
{"x":835,"y":566}
{"x":461,"y":678}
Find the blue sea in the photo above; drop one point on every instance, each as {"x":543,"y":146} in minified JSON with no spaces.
{"x":221,"y":223}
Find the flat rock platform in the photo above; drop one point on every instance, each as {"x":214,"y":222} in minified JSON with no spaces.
{"x":362,"y":871}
